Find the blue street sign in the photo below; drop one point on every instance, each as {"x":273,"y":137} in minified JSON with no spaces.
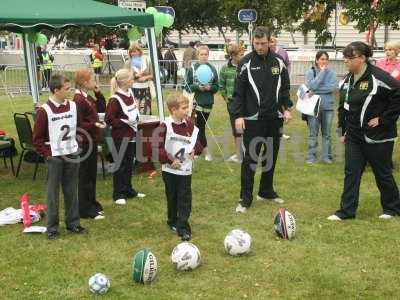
{"x":247,"y":15}
{"x":166,"y":10}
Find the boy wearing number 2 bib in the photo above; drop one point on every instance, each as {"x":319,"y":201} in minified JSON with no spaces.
{"x":176,"y":150}
{"x":54,"y":137}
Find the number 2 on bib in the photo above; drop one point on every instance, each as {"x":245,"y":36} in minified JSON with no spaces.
{"x":65,"y":129}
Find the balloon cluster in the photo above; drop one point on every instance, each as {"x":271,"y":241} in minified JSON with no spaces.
{"x":37,"y":38}
{"x":160,"y":20}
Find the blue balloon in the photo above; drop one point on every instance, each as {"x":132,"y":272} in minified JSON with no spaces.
{"x":136,"y":62}
{"x":204,"y":74}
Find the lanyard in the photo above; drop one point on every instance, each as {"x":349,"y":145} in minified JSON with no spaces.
{"x":349,"y":88}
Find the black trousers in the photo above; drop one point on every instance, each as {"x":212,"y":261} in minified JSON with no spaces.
{"x":122,"y":177}
{"x":178,"y":190}
{"x":259,"y":135}
{"x":379,"y":156}
{"x":46,"y":78}
{"x":174,"y":75}
{"x":201,"y":119}
{"x":88,"y":205}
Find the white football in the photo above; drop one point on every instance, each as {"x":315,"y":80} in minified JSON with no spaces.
{"x":99,"y":284}
{"x":186,"y":256}
{"x":285,"y":224}
{"x":237,"y":242}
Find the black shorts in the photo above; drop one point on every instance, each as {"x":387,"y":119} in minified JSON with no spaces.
{"x":97,"y":70}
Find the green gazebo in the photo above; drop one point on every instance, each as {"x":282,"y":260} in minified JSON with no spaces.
{"x":27,"y":16}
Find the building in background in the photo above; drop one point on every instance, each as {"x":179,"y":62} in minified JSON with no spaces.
{"x":345,"y":34}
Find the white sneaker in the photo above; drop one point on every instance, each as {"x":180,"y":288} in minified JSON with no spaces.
{"x":240,"y":208}
{"x":120,"y":201}
{"x":208,"y":157}
{"x":140,"y":195}
{"x":276,"y":200}
{"x":234,"y":158}
{"x":285,"y":137}
{"x":385,"y":216}
{"x":196,"y":157}
{"x":99,"y":217}
{"x":231,"y":158}
{"x":334,"y":218}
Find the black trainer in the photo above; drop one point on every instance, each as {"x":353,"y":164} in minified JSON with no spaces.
{"x":186,"y":237}
{"x":52,"y":235}
{"x":77,"y":229}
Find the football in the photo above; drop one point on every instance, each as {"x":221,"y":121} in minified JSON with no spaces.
{"x":237,"y":242}
{"x":144,"y":266}
{"x":285,"y":224}
{"x":186,"y":257}
{"x":99,"y":284}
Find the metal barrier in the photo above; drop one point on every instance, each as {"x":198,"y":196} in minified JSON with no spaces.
{"x":14,"y":81}
{"x":297,"y":70}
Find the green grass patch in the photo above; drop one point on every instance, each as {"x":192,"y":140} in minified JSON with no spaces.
{"x":348,"y":260}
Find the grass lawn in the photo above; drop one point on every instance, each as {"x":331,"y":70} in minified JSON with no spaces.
{"x":346,"y":260}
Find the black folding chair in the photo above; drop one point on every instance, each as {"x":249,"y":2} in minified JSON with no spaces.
{"x":6,"y":151}
{"x":103,"y":149}
{"x":24,"y":130}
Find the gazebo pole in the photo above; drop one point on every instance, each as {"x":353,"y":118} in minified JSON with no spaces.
{"x":151,"y":40}
{"x":30,"y":63}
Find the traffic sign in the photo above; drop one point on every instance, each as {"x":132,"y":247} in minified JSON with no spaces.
{"x":247,"y":15}
{"x":166,"y":10}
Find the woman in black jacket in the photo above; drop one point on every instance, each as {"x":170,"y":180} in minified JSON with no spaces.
{"x":368,"y":111}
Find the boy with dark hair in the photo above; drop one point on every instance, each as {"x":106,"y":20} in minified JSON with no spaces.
{"x":176,"y":151}
{"x":54,"y":137}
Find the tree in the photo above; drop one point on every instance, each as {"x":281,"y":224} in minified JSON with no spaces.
{"x":369,"y":15}
{"x":199,"y":15}
{"x":313,"y":15}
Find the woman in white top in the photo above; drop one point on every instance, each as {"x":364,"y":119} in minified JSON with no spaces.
{"x":140,"y":65}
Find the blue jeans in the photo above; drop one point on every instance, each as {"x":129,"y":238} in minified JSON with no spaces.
{"x":323,"y":120}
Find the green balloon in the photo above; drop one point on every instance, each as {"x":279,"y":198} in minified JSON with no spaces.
{"x":159,"y":19}
{"x":151,"y":10}
{"x":32,"y":37}
{"x":134,"y":34}
{"x":169,"y":20}
{"x":41,"y":39}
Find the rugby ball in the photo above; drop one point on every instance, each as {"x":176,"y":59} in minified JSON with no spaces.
{"x":285,"y":224}
{"x":144,"y":266}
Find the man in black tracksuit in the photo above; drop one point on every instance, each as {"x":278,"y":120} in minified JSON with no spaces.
{"x":261,"y":102}
{"x":368,"y":110}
